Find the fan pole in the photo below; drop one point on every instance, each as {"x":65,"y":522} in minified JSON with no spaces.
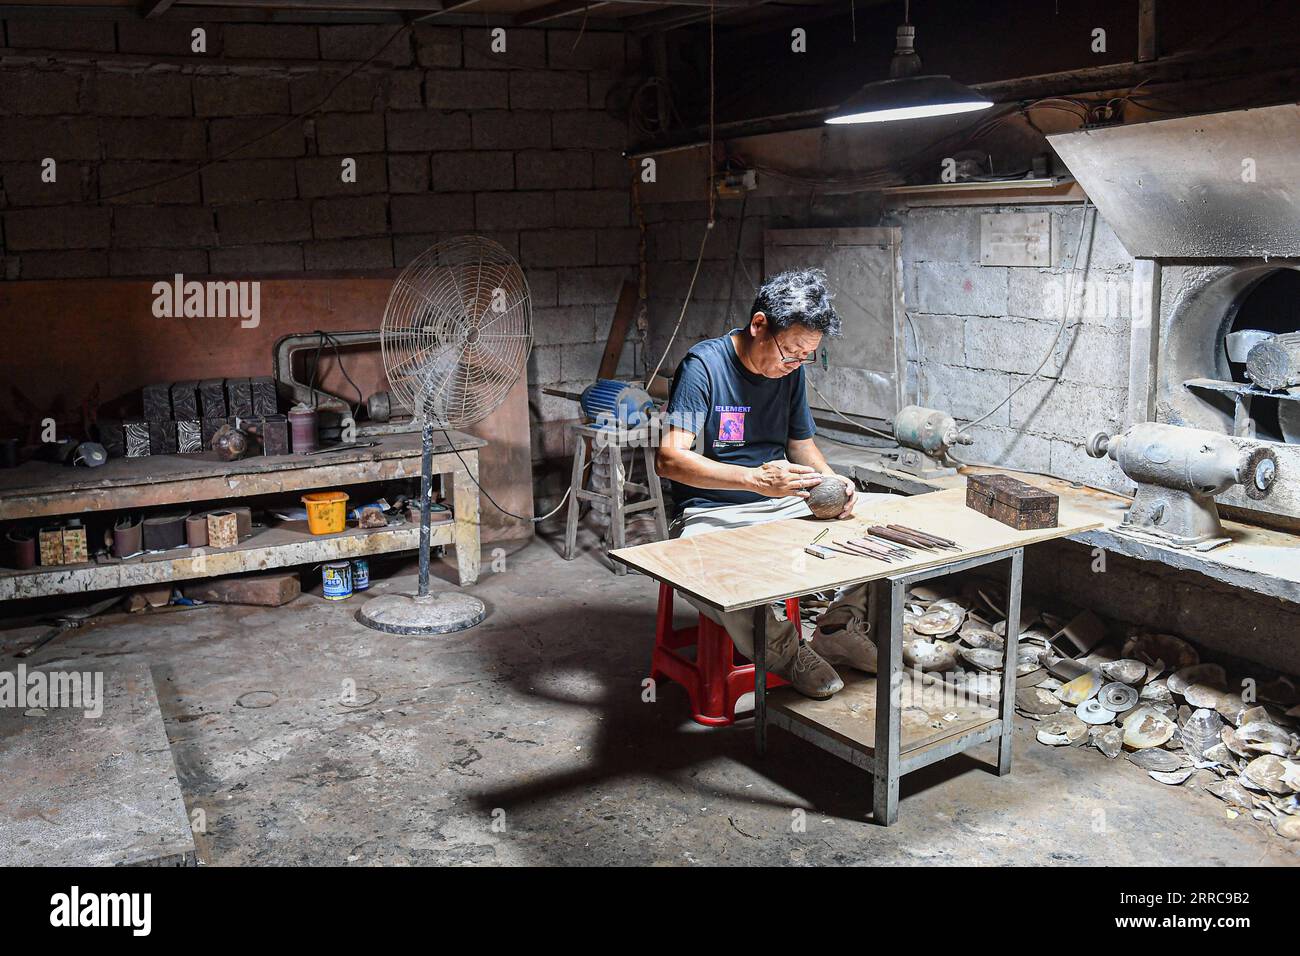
{"x":426,"y":492}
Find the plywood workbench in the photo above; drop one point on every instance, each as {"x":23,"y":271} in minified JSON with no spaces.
{"x":1258,"y":559}
{"x":880,"y":725}
{"x":42,"y":490}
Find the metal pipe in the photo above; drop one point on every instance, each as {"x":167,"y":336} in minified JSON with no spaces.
{"x":426,"y":492}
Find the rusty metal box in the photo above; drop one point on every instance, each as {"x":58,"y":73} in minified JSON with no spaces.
{"x":1013,"y":502}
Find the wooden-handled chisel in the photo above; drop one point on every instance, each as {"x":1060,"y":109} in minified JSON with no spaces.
{"x":926,"y":536}
{"x":898,"y":537}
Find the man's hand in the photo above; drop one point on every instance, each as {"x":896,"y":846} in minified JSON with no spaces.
{"x":853,"y":496}
{"x":777,"y":479}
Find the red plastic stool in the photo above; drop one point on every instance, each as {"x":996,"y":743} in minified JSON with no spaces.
{"x":714,"y":681}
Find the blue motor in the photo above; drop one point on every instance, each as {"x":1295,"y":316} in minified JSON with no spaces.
{"x":613,"y":404}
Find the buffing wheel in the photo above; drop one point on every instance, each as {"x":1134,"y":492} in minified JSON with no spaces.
{"x":827,"y":499}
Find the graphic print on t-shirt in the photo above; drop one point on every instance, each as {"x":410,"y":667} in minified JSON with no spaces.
{"x":731,"y":425}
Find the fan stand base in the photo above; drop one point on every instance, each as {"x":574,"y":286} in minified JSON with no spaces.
{"x":442,"y":613}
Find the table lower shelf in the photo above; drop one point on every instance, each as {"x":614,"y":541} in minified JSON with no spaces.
{"x":932,"y":724}
{"x":282,"y":546}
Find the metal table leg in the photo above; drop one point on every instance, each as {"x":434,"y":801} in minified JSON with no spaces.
{"x":1007,"y":691}
{"x":760,"y":678}
{"x":886,"y":607}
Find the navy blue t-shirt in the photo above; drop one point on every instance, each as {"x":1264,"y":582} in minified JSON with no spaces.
{"x":738,"y":416}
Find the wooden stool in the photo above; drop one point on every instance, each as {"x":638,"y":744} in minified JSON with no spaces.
{"x":612,"y":442}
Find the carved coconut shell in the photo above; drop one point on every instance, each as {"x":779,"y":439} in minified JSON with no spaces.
{"x":828,"y":498}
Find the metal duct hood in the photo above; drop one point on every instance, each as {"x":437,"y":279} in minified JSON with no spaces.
{"x":1181,"y":188}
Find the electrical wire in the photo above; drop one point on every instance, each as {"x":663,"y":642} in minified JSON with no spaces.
{"x":708,"y":229}
{"x":327,"y":339}
{"x":1065,"y":317}
{"x":484,"y":492}
{"x":831,"y":406}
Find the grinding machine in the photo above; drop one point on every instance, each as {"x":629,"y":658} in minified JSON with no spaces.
{"x":1178,"y":472}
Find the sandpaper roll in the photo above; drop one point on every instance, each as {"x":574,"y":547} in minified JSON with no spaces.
{"x":21,"y":546}
{"x":196,"y":531}
{"x":127,"y":537}
{"x":164,"y":532}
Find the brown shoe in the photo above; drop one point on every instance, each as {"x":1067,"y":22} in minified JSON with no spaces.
{"x":810,"y":675}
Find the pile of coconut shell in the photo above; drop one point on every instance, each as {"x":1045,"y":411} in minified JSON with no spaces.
{"x":1180,"y":720}
{"x":1152,"y":700}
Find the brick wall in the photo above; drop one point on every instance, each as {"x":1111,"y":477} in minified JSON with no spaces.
{"x":447,"y":136}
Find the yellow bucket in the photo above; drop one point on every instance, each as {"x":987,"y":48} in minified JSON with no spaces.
{"x":327,"y":511}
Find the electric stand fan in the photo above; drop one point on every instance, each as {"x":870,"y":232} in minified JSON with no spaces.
{"x":455,"y":338}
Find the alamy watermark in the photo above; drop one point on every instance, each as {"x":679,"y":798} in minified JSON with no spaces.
{"x":79,"y":690}
{"x":209,"y":300}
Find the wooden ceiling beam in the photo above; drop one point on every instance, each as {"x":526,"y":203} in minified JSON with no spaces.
{"x":336,"y":6}
{"x":149,"y":9}
{"x":557,"y":9}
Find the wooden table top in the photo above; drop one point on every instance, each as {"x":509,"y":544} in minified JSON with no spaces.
{"x":48,"y":478}
{"x":746,"y":567}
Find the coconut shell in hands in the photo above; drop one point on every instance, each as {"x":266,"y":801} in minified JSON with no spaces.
{"x":827,"y":499}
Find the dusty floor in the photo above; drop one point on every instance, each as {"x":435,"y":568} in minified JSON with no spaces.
{"x":525,"y":740}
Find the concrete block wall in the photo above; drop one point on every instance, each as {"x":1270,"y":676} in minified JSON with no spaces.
{"x":447,"y":136}
{"x":976,"y":333}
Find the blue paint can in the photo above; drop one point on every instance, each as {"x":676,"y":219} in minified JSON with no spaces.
{"x":360,"y":574}
{"x":336,"y":579}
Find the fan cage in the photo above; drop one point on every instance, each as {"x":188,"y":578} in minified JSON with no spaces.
{"x":457,"y":331}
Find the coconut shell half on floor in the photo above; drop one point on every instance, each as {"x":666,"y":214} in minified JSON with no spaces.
{"x":828,"y":498}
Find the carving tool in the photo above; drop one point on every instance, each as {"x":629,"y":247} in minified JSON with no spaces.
{"x":926,"y":536}
{"x":890,"y":545}
{"x":879,"y":544}
{"x":867,"y":552}
{"x":898,"y":537}
{"x":838,"y":549}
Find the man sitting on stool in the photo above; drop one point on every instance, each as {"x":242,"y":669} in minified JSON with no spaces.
{"x":742,"y":395}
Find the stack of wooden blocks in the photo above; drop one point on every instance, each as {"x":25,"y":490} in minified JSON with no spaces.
{"x":182,"y":418}
{"x":63,"y":545}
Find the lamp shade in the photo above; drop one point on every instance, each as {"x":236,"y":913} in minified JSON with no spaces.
{"x":911,"y":97}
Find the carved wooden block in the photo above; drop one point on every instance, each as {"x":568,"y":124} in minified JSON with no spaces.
{"x":137,"y":438}
{"x":185,"y":401}
{"x":212,"y":398}
{"x":157,"y":402}
{"x":223,"y":529}
{"x":239,"y":398}
{"x":264,"y":396}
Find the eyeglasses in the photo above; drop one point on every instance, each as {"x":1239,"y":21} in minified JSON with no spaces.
{"x":809,"y":359}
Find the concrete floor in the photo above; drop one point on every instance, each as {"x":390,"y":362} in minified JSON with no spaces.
{"x":525,"y":741}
